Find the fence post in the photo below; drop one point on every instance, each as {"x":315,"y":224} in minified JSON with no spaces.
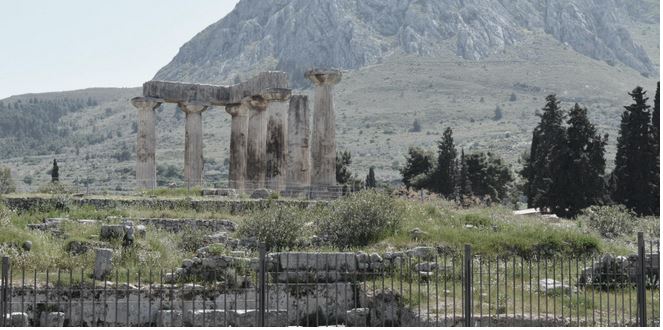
{"x":261,"y":285}
{"x":5,"y":287}
{"x":642,"y":291}
{"x":467,"y":285}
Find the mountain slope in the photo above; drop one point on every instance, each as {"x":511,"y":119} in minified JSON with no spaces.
{"x":294,"y":35}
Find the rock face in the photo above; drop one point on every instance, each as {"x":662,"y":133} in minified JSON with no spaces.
{"x":295,"y":35}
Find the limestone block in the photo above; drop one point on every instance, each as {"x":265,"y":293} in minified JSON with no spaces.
{"x":103,"y":263}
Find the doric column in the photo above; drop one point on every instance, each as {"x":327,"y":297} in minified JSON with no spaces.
{"x":146,"y":170}
{"x":193,"y":142}
{"x":277,"y":135}
{"x":323,"y":149}
{"x":256,"y":142}
{"x":299,"y":155}
{"x":239,"y":132}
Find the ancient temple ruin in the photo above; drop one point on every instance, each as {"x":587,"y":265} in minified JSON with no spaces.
{"x":269,"y":135}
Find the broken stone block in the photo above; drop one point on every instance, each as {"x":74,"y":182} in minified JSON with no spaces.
{"x":357,"y":317}
{"x":261,"y":193}
{"x":103,"y":263}
{"x":110,"y":232}
{"x":51,"y":319}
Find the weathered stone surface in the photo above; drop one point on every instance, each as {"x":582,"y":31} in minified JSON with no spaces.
{"x":423,"y":252}
{"x":256,"y":148}
{"x":323,"y":147}
{"x":341,"y":261}
{"x":174,"y":92}
{"x":357,"y":317}
{"x":261,"y":193}
{"x":110,"y":232}
{"x":141,"y":231}
{"x":77,"y":247}
{"x":18,"y":319}
{"x":169,"y":318}
{"x":52,"y":319}
{"x":193,"y":142}
{"x":27,"y":246}
{"x":299,"y":154}
{"x":146,"y":170}
{"x":239,"y":134}
{"x":552,"y":286}
{"x":277,"y":145}
{"x":387,"y":309}
{"x":103,"y":263}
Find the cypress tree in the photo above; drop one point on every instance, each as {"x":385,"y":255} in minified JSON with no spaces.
{"x":583,"y":163}
{"x":656,"y":130}
{"x":343,"y":161}
{"x":370,"y":178}
{"x":444,"y":177}
{"x":55,"y":172}
{"x":463,"y":184}
{"x":543,"y":165}
{"x":633,"y":177}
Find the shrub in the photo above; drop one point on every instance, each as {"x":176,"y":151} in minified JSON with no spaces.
{"x":360,"y":219}
{"x":6,"y":181}
{"x":476,"y":220}
{"x":610,"y":221}
{"x":278,"y":227}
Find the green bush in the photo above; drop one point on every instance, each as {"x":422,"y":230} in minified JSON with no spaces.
{"x":360,"y":219}
{"x":610,"y":221}
{"x":476,"y":220}
{"x":278,"y":227}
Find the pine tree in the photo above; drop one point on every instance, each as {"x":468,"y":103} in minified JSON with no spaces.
{"x":443,"y":180}
{"x":548,"y":143}
{"x":633,"y":177}
{"x":370,"y":178}
{"x":498,"y":113}
{"x":416,"y":127}
{"x":582,"y":184}
{"x":418,"y":163}
{"x":656,"y":130}
{"x":55,"y":172}
{"x":489,"y":177}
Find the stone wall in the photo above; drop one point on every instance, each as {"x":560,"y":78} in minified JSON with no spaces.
{"x":59,"y":202}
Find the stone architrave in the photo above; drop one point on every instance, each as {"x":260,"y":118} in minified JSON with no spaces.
{"x":239,"y":132}
{"x":323,"y":148}
{"x":299,"y":155}
{"x":193,"y":142}
{"x":146,"y":169}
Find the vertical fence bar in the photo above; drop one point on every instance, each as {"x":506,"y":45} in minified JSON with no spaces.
{"x":261,"y":285}
{"x":5,"y":285}
{"x":468,"y":285}
{"x":642,"y":293}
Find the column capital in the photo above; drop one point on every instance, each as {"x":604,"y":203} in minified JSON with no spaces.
{"x":256,"y":102}
{"x":146,"y":102}
{"x":322,"y":77}
{"x":193,"y":107}
{"x":277,"y":94}
{"x":237,"y":109}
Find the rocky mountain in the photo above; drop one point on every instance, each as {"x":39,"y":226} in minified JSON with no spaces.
{"x":294,"y":35}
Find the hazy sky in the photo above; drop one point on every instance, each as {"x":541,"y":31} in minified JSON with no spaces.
{"x":56,"y":45}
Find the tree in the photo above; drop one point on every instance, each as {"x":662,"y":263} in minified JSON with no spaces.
{"x":498,"y":113}
{"x":543,"y":164}
{"x":416,"y":127}
{"x":463,"y":184}
{"x":443,"y":179}
{"x":418,"y":163}
{"x":6,"y":182}
{"x":488,"y":176}
{"x":582,"y":184}
{"x":55,"y":172}
{"x":656,"y":130}
{"x":343,"y":161}
{"x":370,"y":178}
{"x":633,"y":176}
{"x":513,"y":97}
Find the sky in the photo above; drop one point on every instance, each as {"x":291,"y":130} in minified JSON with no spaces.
{"x":58,"y":45}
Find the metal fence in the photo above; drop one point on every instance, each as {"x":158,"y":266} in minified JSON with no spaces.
{"x":419,"y":287}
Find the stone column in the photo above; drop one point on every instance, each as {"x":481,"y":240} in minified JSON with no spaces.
{"x":239,"y":132}
{"x":277,"y":135}
{"x":193,"y":142}
{"x":256,"y":145}
{"x":146,"y":170}
{"x":323,"y":149}
{"x":299,"y":155}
